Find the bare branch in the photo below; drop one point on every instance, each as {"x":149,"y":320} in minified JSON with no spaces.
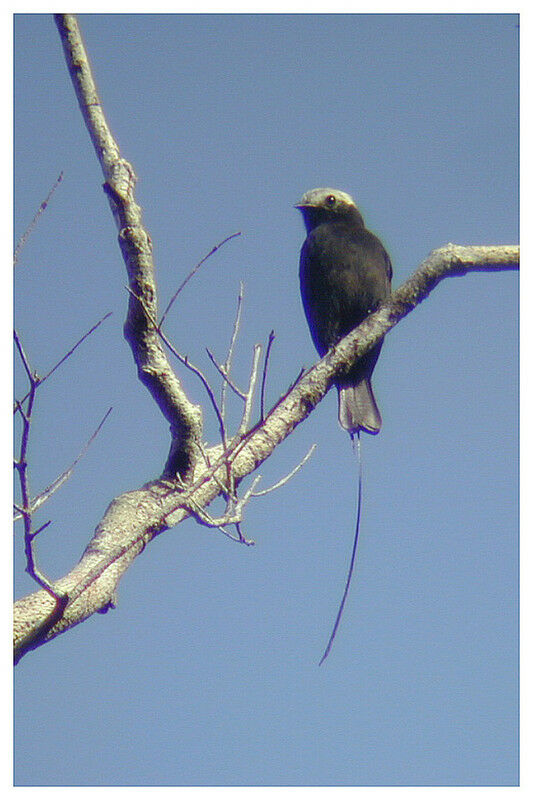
{"x":135,"y":518}
{"x":233,"y":515}
{"x":193,"y":272}
{"x":28,"y":507}
{"x":153,"y":367}
{"x":41,"y":498}
{"x":22,"y":464}
{"x":190,"y":366}
{"x":271,"y":338}
{"x":75,"y":347}
{"x":31,"y":566}
{"x":203,"y":518}
{"x":207,"y":461}
{"x":26,"y":235}
{"x":242,"y":537}
{"x":227,"y":363}
{"x":42,"y":528}
{"x":245,"y":422}
{"x":25,"y":363}
{"x":225,"y":376}
{"x":22,"y":469}
{"x":248,"y":493}
{"x":67,"y":355}
{"x":287,"y":477}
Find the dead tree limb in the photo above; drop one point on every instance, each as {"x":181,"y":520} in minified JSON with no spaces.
{"x":136,"y":517}
{"x":153,"y":367}
{"x":194,"y":475}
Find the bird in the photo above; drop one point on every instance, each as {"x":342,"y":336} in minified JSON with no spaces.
{"x":345,"y":273}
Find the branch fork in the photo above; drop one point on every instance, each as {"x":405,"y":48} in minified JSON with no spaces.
{"x":195,"y":475}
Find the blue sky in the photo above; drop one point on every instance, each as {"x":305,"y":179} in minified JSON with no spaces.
{"x":206,"y":673}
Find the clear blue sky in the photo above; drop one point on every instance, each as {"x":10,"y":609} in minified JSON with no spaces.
{"x":206,"y":673}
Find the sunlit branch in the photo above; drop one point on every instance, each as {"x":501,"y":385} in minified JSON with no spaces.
{"x":287,"y":477}
{"x":245,"y":422}
{"x":234,"y":334}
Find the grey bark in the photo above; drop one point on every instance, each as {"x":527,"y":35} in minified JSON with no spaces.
{"x":192,"y":476}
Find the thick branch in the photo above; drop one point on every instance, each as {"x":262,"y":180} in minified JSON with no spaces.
{"x":153,"y":367}
{"x":134,"y":518}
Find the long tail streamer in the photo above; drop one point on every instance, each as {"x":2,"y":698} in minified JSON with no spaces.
{"x":357,"y":447}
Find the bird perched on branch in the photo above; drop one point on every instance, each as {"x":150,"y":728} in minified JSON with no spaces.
{"x":345,"y":273}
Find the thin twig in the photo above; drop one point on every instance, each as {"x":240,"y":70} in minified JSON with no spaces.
{"x":204,"y":453}
{"x":27,"y":507}
{"x":251,"y":391}
{"x":201,"y":516}
{"x":67,"y":355}
{"x":249,"y":492}
{"x":233,"y":518}
{"x":271,"y":338}
{"x":225,"y":376}
{"x":85,"y":336}
{"x":22,"y":469}
{"x":26,"y":235}
{"x":232,"y":452}
{"x":41,"y":498}
{"x":185,"y":361}
{"x":242,"y":537}
{"x":205,"y":456}
{"x":41,"y":529}
{"x":287,"y":478}
{"x":193,"y":272}
{"x":22,"y":464}
{"x":37,"y":575}
{"x":295,"y":381}
{"x":227,"y":363}
{"x":26,"y":364}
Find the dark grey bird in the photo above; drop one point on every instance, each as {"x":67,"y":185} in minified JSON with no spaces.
{"x":345,"y":273}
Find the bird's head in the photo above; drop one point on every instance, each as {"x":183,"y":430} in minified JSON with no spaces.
{"x":328,"y":205}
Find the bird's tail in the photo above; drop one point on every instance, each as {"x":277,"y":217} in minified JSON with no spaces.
{"x":357,"y":447}
{"x":358,"y":409}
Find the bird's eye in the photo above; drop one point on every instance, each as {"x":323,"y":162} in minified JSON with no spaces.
{"x":330,"y":200}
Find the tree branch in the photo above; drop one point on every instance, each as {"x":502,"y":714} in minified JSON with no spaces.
{"x":136,"y":517}
{"x":190,"y":483}
{"x":234,"y":334}
{"x":153,"y":367}
{"x":53,"y":487}
{"x":193,"y":272}
{"x":65,"y":357}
